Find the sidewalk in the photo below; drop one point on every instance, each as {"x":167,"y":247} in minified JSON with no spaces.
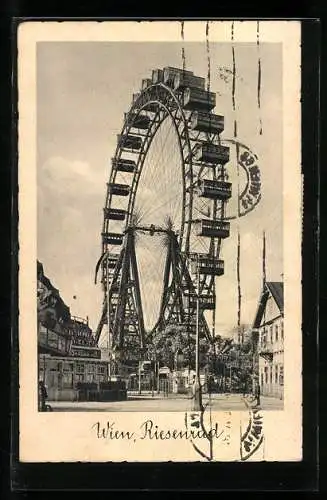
{"x":174,"y":402}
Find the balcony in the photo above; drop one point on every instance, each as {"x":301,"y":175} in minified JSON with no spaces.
{"x":54,"y":342}
{"x":265,"y":350}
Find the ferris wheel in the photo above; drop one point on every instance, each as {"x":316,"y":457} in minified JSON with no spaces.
{"x":165,"y":213}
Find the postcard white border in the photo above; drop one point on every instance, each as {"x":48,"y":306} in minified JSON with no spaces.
{"x":67,"y":437}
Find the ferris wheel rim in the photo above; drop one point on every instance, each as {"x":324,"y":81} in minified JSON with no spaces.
{"x":126,"y":128}
{"x":118,"y":152}
{"x":143,"y":99}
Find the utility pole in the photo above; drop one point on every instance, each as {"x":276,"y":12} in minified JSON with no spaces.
{"x":140,"y":364}
{"x":197,"y":402}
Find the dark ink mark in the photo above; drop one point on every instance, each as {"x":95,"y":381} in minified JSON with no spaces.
{"x":234,"y":67}
{"x":239,"y":292}
{"x":234,"y":78}
{"x":259,"y":77}
{"x":235,"y":120}
{"x":253,"y":436}
{"x":208,"y":56}
{"x":250,"y":195}
{"x":183,"y":49}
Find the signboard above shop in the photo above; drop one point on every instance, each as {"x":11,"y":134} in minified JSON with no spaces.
{"x":85,"y":352}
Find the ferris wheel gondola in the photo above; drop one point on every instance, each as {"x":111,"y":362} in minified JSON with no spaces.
{"x":164,"y":211}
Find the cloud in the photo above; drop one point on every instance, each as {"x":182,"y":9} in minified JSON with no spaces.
{"x":72,"y":177}
{"x":70,"y":198}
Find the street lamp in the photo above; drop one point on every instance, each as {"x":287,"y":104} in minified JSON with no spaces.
{"x":197,"y":401}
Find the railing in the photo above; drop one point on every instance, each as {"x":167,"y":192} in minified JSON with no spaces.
{"x":266,"y":347}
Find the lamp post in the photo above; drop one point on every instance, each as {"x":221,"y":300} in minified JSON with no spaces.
{"x":197,"y":401}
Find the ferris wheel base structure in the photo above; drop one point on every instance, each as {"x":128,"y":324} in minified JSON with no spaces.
{"x":192,"y":238}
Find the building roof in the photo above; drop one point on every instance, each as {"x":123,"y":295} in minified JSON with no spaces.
{"x":276,"y":290}
{"x":62,"y":310}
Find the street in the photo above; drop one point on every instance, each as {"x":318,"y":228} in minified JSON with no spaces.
{"x":148,"y":403}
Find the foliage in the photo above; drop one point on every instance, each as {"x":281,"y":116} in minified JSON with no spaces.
{"x":175,"y":340}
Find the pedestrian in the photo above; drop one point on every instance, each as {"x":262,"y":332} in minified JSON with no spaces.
{"x":258,"y":394}
{"x":193,"y":386}
{"x":43,"y":395}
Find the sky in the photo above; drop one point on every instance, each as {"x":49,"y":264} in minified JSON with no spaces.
{"x":83,"y":91}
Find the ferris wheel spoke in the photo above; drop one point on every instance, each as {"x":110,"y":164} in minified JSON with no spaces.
{"x":151,"y":264}
{"x":162,"y":195}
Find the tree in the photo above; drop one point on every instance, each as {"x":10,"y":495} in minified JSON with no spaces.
{"x":173,"y":339}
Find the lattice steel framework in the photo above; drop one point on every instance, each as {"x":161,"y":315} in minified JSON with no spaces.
{"x":179,"y":98}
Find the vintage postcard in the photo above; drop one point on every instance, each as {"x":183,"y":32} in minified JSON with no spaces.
{"x":160,"y":229}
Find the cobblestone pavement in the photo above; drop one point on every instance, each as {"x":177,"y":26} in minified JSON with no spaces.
{"x":148,"y":403}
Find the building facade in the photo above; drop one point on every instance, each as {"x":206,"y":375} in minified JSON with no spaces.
{"x":269,"y":329}
{"x":67,"y":352}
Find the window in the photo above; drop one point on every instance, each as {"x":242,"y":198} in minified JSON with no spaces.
{"x":80,"y":368}
{"x":276,"y":374}
{"x":276,"y":332}
{"x":271,"y":333}
{"x":67,"y":380}
{"x":100,"y":369}
{"x":271,"y":375}
{"x":91,"y":368}
{"x":263,"y":337}
{"x":282,"y":330}
{"x":266,"y":374}
{"x":261,"y":379}
{"x":281,"y":375}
